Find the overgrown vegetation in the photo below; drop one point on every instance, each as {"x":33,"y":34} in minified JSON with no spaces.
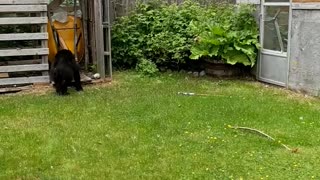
{"x":155,"y":32}
{"x":228,"y":32}
{"x":168,"y":35}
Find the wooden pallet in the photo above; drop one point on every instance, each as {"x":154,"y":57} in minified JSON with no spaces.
{"x":25,"y":6}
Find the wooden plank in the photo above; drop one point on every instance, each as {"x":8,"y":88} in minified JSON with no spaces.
{"x":23,"y":20}
{"x":85,"y":78}
{"x":44,"y":44}
{"x":108,"y":37}
{"x":75,"y":49}
{"x":84,"y":9}
{"x":24,"y":52}
{"x":54,"y":4}
{"x":8,"y":2}
{"x":24,"y":62}
{"x":305,"y":6}
{"x":69,"y":8}
{"x":22,"y":8}
{"x":99,"y":38}
{"x":23,"y":36}
{"x":91,"y":25}
{"x":4,"y":75}
{"x":14,"y":89}
{"x":24,"y":68}
{"x":24,"y":80}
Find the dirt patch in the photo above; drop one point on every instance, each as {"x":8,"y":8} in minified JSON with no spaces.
{"x":45,"y":88}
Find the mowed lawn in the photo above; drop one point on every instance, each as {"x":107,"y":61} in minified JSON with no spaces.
{"x":140,"y":128}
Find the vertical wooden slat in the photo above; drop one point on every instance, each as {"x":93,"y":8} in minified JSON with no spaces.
{"x":75,"y":37}
{"x":114,"y":13}
{"x":44,"y":44}
{"x":108,"y":36}
{"x":99,"y":38}
{"x":106,"y":26}
{"x":92,"y":33}
{"x":84,"y":8}
{"x":127,"y":7}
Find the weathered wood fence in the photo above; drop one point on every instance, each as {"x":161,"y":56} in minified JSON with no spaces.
{"x":32,"y":57}
{"x":123,"y":7}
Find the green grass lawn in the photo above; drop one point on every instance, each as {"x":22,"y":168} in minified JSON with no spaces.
{"x":139,"y":128}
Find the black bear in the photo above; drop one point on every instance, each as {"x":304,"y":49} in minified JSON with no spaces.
{"x":65,"y":70}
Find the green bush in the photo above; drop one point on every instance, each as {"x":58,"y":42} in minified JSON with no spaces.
{"x":146,"y":67}
{"x":156,"y":32}
{"x":168,"y":35}
{"x":229,"y":33}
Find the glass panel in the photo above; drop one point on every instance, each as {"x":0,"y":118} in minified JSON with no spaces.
{"x":276,"y":23}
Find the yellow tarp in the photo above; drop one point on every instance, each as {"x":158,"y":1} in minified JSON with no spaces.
{"x":66,"y":37}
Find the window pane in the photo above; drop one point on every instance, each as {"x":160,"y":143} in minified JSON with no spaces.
{"x":276,"y":21}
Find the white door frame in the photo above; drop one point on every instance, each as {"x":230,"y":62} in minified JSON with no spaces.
{"x":271,"y":52}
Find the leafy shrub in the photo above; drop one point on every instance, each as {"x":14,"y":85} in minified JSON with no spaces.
{"x":146,"y":67}
{"x":227,"y":32}
{"x":155,"y":31}
{"x":165,"y":35}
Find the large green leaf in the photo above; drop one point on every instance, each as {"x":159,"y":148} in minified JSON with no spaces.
{"x":218,"y":30}
{"x":197,"y":52}
{"x":213,"y":51}
{"x":234,"y":56}
{"x":247,"y":49}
